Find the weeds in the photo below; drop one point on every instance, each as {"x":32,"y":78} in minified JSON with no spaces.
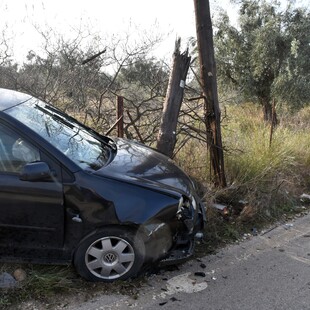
{"x":41,"y":283}
{"x":265,"y":182}
{"x":44,"y":283}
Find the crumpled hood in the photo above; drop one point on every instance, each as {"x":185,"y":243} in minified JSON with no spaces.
{"x":136,"y":163}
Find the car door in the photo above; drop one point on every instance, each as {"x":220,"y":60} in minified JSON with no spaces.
{"x":31,"y":212}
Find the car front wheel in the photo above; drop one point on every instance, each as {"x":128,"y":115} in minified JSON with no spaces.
{"x":109,"y":255}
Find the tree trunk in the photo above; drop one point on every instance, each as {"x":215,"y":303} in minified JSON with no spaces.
{"x":166,"y":138}
{"x":209,"y":89}
{"x":269,"y":111}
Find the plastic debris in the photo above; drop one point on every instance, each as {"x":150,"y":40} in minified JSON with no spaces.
{"x":199,"y":274}
{"x":174,"y":299}
{"x":223,"y":210}
{"x":7,"y":281}
{"x":288,"y":226}
{"x":305,"y":197}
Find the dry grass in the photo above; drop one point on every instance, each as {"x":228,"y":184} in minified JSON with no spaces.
{"x":264,"y":181}
{"x":57,"y":285}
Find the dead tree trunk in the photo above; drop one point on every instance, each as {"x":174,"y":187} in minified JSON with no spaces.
{"x":166,"y":138}
{"x":209,"y":89}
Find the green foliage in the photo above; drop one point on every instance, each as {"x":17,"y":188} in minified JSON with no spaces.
{"x":146,"y":73}
{"x":266,"y":55}
{"x":292,"y":84}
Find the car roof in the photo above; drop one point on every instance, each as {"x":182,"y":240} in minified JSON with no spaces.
{"x":10,"y":98}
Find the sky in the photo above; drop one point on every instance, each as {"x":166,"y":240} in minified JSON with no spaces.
{"x":172,"y":18}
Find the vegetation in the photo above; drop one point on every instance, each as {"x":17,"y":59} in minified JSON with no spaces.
{"x":264,"y":58}
{"x":256,"y":169}
{"x":43,"y":283}
{"x":265,"y":184}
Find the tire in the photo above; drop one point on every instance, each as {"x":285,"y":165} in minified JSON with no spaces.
{"x":110,"y":254}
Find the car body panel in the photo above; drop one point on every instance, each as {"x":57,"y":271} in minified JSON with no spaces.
{"x":32,"y":213}
{"x":9,"y":98}
{"x":137,"y":189}
{"x":138,"y":164}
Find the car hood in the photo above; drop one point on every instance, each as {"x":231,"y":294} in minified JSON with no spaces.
{"x":136,"y":163}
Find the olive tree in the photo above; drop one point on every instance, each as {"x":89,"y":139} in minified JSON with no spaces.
{"x":265,"y":56}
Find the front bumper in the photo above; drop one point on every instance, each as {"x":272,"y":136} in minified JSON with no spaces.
{"x":184,"y":245}
{"x":173,"y":241}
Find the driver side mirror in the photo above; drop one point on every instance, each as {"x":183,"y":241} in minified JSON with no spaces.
{"x":36,"y":171}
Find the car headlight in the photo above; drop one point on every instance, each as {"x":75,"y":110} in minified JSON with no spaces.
{"x":185,"y":208}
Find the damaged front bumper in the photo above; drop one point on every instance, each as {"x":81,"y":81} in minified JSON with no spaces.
{"x":176,"y":243}
{"x":184,"y":245}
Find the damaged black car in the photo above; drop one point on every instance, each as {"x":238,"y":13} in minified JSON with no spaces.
{"x":71,"y":195}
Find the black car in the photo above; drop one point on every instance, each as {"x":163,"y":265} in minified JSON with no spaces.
{"x":69,"y":194}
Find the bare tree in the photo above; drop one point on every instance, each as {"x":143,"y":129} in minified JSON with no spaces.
{"x":84,"y":74}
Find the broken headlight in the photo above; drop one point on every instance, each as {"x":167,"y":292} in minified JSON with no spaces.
{"x":186,"y":208}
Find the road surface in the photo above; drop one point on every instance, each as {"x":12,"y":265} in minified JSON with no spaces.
{"x":267,"y":271}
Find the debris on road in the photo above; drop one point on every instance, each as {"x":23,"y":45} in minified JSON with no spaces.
{"x":288,"y":226}
{"x":254,"y":231}
{"x":199,"y":274}
{"x":184,"y":283}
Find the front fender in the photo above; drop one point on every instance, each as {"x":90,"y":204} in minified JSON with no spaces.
{"x":108,"y":201}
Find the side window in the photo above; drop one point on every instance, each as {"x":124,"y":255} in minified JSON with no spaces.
{"x":15,"y":152}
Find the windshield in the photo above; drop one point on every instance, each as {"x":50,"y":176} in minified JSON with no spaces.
{"x":80,"y":145}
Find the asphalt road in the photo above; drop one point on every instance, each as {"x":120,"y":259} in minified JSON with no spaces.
{"x":267,"y":271}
